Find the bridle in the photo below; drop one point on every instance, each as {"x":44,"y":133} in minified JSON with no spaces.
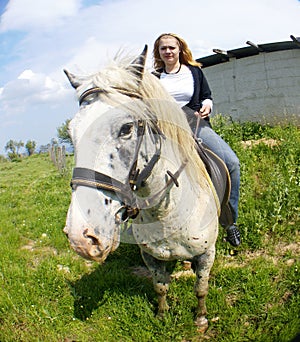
{"x":131,"y":204}
{"x":97,"y":90}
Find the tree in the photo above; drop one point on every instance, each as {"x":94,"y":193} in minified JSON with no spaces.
{"x":54,"y":142}
{"x":63,"y":133}
{"x":30,"y":147}
{"x":13,"y":148}
{"x":44,"y":148}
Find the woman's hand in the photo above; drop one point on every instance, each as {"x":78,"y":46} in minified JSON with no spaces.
{"x":204,"y":111}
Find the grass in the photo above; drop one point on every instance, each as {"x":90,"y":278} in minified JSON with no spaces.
{"x":48,"y":293}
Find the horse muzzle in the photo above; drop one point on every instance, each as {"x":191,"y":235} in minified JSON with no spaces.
{"x":89,"y":246}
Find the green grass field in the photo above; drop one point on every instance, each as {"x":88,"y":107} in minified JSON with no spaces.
{"x":48,"y":293}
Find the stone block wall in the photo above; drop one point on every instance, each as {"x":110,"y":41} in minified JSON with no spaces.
{"x":264,"y":87}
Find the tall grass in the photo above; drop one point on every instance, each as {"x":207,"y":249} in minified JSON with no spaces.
{"x":48,"y":293}
{"x":270,"y":178}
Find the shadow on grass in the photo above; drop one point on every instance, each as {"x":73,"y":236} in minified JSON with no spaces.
{"x":115,"y":276}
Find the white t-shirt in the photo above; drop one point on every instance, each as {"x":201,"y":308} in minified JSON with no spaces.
{"x":180,"y":86}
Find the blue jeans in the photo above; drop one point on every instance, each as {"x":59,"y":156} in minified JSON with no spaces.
{"x":217,"y":145}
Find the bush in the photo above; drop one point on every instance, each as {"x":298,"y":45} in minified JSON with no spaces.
{"x":3,"y":159}
{"x":269,"y":191}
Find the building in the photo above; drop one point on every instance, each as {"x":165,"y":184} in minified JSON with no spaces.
{"x":257,"y":82}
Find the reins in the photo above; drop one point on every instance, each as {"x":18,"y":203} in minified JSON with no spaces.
{"x":197,"y":127}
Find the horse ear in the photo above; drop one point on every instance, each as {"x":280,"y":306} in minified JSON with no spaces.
{"x":138,"y":65}
{"x":73,"y":79}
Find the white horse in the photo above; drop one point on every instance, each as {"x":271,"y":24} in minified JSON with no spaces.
{"x":136,"y":161}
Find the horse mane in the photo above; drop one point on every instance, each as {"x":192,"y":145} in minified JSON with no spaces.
{"x":160,"y":106}
{"x":173,"y":122}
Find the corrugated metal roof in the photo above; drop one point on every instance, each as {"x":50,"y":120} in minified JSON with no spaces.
{"x":222,"y":56}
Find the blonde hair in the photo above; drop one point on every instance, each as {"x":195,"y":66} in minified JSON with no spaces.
{"x":185,"y":55}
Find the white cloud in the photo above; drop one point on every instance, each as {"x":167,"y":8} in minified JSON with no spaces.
{"x":32,"y":107}
{"x":53,"y":35}
{"x":26,"y":75}
{"x":31,"y":89}
{"x":30,"y":14}
{"x":87,"y":37}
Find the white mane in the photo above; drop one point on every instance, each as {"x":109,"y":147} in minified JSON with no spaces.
{"x":157,"y":104}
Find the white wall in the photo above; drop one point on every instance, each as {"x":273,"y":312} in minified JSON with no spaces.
{"x":264,"y":87}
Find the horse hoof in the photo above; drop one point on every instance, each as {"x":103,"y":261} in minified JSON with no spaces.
{"x":202,"y":324}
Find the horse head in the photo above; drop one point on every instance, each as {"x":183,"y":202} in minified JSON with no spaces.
{"x":109,"y":155}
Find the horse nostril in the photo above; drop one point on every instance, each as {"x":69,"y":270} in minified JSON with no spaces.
{"x":93,"y":239}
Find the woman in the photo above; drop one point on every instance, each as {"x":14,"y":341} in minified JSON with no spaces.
{"x":182,"y":77}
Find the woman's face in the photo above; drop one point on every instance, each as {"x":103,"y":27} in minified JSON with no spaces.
{"x":169,"y":50}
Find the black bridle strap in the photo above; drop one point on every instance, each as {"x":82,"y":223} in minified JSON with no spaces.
{"x":134,"y":172}
{"x":149,"y":202}
{"x":145,"y":173}
{"x":97,"y":90}
{"x":89,"y":92}
{"x":100,"y":181}
{"x":128,"y":92}
{"x":136,"y":177}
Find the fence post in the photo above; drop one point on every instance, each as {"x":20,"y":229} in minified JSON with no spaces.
{"x":58,"y":157}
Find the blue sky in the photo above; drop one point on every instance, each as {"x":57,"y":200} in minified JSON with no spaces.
{"x":38,"y":39}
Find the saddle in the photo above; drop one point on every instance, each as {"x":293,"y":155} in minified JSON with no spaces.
{"x":216,"y":169}
{"x":220,"y":178}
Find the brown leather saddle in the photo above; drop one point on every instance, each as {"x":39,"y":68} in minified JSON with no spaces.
{"x":216,"y":169}
{"x":220,"y":178}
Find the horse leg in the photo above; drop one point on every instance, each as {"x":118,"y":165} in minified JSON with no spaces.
{"x":161,"y":280}
{"x":202,"y":265}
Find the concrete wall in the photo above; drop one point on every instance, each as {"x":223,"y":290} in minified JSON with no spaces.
{"x":264,"y":87}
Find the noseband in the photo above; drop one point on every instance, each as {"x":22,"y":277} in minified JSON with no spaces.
{"x":131,"y":205}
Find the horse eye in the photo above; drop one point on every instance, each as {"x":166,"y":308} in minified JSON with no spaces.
{"x":126,"y":130}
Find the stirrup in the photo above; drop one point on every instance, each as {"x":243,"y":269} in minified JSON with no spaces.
{"x":233,"y":235}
